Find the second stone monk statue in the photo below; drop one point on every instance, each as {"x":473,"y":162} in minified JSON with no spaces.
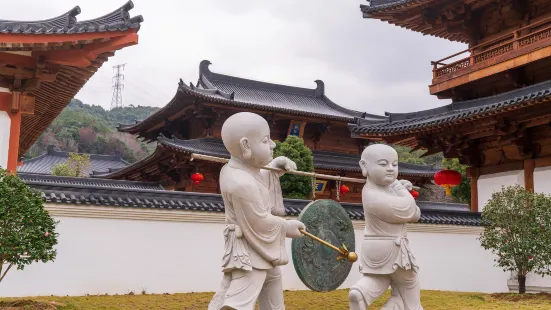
{"x":255,"y":229}
{"x":386,"y":258}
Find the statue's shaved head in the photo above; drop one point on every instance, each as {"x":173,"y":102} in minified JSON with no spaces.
{"x":380,"y":164}
{"x":247,"y":136}
{"x":375,"y":152}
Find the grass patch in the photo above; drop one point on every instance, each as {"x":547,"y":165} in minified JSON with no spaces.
{"x":294,"y":300}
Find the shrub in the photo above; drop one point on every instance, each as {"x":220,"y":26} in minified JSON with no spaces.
{"x":517,"y":228}
{"x":27,"y":232}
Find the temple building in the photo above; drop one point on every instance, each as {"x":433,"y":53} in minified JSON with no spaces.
{"x":191,"y":123}
{"x":43,"y":65}
{"x":499,"y":121}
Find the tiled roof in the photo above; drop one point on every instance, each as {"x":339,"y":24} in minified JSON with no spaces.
{"x":457,"y":112}
{"x":53,"y":182}
{"x":91,"y":43}
{"x":118,"y":20}
{"x":322,"y":159}
{"x":126,"y":194}
{"x":244,"y":93}
{"x":381,"y":5}
{"x":274,"y":97}
{"x":44,"y":163}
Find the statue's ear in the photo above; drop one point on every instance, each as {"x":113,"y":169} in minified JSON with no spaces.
{"x":245,"y":148}
{"x":363,"y":166}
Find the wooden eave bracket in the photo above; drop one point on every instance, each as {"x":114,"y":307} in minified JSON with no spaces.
{"x":84,"y":57}
{"x":22,"y":103}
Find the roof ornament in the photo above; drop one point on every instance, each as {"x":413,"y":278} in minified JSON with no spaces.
{"x":204,"y":68}
{"x":214,"y":91}
{"x":320,"y":88}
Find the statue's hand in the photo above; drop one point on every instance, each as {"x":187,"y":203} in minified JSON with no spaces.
{"x":283,"y":162}
{"x":407,"y":184}
{"x":293,"y":231}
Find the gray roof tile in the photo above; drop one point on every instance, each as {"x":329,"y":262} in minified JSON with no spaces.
{"x":276,"y":97}
{"x":90,"y":192}
{"x":455,"y":112}
{"x":44,"y":163}
{"x":118,"y":20}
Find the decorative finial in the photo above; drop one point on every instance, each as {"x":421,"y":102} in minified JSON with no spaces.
{"x":204,"y":67}
{"x":320,"y":89}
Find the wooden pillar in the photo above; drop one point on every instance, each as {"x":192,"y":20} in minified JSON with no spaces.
{"x":5,"y":125}
{"x":10,"y":128}
{"x":529,"y":166}
{"x":474,"y":174}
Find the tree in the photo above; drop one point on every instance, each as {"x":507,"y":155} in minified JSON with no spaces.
{"x":74,"y":167}
{"x":295,"y":186}
{"x":461,"y":192}
{"x":517,"y":228}
{"x":27,"y":231}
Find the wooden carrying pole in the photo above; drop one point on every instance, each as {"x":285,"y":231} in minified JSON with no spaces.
{"x":296,"y":172}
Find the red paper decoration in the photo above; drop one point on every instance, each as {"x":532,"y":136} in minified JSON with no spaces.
{"x":414,"y":193}
{"x":197,"y":178}
{"x":344,"y":189}
{"x":447,"y":179}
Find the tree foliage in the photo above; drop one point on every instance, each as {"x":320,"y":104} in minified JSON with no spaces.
{"x":74,"y":167}
{"x":27,"y":231}
{"x":461,"y":192}
{"x":295,"y":186}
{"x":517,"y":226}
{"x":84,"y":128}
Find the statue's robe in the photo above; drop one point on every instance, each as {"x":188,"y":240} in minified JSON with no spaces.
{"x":254,"y":238}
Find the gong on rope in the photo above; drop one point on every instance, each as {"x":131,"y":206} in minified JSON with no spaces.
{"x":324,"y":256}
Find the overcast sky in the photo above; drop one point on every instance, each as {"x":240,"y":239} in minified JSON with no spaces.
{"x":366,"y":65}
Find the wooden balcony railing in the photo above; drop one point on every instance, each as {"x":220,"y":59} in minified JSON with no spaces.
{"x":534,"y":35}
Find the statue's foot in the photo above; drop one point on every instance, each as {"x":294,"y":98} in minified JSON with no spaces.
{"x":356,"y":300}
{"x":394,"y":303}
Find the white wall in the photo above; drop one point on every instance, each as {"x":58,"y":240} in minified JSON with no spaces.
{"x":490,"y":183}
{"x":542,"y":180}
{"x":98,"y":256}
{"x":5,"y":123}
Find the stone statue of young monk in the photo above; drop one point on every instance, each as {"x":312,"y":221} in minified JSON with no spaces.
{"x":386,"y":257}
{"x":255,"y":229}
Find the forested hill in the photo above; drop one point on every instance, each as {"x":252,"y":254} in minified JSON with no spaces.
{"x":91,"y":129}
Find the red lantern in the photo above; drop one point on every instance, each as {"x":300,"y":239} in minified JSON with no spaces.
{"x":197,"y":177}
{"x":344,"y":189}
{"x":415,"y":194}
{"x":447,"y":179}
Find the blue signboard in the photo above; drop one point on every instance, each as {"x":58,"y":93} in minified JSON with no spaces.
{"x":320,"y":186}
{"x":295,"y":129}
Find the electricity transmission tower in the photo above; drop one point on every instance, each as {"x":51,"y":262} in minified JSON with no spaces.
{"x":118,"y":86}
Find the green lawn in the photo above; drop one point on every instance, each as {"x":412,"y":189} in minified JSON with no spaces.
{"x":337,"y":300}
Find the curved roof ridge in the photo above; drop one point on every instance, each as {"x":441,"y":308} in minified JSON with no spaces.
{"x":473,"y":103}
{"x":382,"y":5}
{"x":207,"y":77}
{"x":62,"y":21}
{"x":210,"y":76}
{"x":118,"y":15}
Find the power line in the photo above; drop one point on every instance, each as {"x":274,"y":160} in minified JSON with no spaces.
{"x":118,"y":86}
